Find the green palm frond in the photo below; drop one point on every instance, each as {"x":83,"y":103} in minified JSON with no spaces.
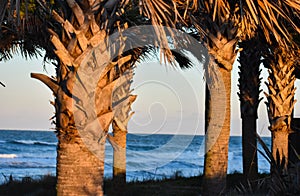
{"x":22,"y":30}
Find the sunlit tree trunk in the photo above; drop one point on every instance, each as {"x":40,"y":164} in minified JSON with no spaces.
{"x":217,"y":133}
{"x":80,"y":151}
{"x":280,"y":102}
{"x":249,"y":83}
{"x":122,"y":101}
{"x":219,"y":29}
{"x":79,"y":170}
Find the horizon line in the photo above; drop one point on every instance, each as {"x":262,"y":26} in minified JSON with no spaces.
{"x":138,"y":133}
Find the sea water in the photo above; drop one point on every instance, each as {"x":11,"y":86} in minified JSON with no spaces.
{"x":33,"y":154}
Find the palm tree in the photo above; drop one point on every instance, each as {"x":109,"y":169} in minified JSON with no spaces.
{"x":221,"y":25}
{"x":249,"y":84}
{"x":252,"y":80}
{"x":76,"y":29}
{"x":280,"y":60}
{"x":79,"y":169}
{"x":221,"y":38}
{"x":122,"y":100}
{"x":294,"y":136}
{"x":121,"y":103}
{"x":281,"y":101}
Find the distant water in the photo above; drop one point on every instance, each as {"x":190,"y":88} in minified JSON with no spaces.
{"x":33,"y":153}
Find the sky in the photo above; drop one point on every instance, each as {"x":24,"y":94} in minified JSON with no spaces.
{"x":169,"y":101}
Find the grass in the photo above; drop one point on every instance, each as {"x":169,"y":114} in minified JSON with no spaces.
{"x":176,"y":185}
{"x":28,"y":186}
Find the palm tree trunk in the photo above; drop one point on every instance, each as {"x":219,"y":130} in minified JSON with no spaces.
{"x":81,"y":128}
{"x":80,"y":152}
{"x":250,"y":168}
{"x":122,"y":101}
{"x":80,"y":161}
{"x":217,"y":135}
{"x":79,"y":171}
{"x":280,"y":143}
{"x":249,"y":83}
{"x":280,"y":102}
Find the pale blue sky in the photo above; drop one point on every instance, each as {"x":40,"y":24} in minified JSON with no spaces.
{"x":169,"y":101}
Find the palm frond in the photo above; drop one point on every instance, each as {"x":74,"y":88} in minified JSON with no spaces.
{"x":183,"y":61}
{"x":3,"y":7}
{"x":162,"y":13}
{"x":280,"y":183}
{"x":276,"y":18}
{"x":20,"y":23}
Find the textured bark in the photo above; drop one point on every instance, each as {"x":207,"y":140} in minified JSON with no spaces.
{"x":280,"y":102}
{"x":81,"y":133}
{"x":250,"y":168}
{"x":221,"y":42}
{"x":78,"y":169}
{"x":280,"y":144}
{"x":119,"y":158}
{"x":249,"y":84}
{"x":216,"y":157}
{"x":122,"y":100}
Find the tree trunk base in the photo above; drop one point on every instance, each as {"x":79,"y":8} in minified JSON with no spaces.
{"x":217,"y":135}
{"x":250,"y":169}
{"x":119,"y":167}
{"x":280,"y":141}
{"x":79,"y":172}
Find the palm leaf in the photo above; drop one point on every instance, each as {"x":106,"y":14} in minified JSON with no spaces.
{"x":267,"y":153}
{"x":161,"y":13}
{"x":19,"y":28}
{"x":274,"y":17}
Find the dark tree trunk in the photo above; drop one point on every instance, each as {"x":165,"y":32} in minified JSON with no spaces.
{"x":294,"y":144}
{"x":249,"y":84}
{"x":250,"y":169}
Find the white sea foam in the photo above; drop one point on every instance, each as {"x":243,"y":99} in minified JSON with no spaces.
{"x":33,"y":142}
{"x":8,"y":156}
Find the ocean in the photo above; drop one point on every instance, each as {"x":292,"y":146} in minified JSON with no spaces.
{"x":33,"y":154}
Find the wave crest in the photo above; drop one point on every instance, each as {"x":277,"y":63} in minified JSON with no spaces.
{"x":33,"y":142}
{"x":8,"y":156}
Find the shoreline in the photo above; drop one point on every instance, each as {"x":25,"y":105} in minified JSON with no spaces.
{"x":175,"y":185}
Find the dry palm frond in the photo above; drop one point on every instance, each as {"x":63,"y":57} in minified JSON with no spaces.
{"x":22,"y":38}
{"x":162,"y":13}
{"x":274,"y":17}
